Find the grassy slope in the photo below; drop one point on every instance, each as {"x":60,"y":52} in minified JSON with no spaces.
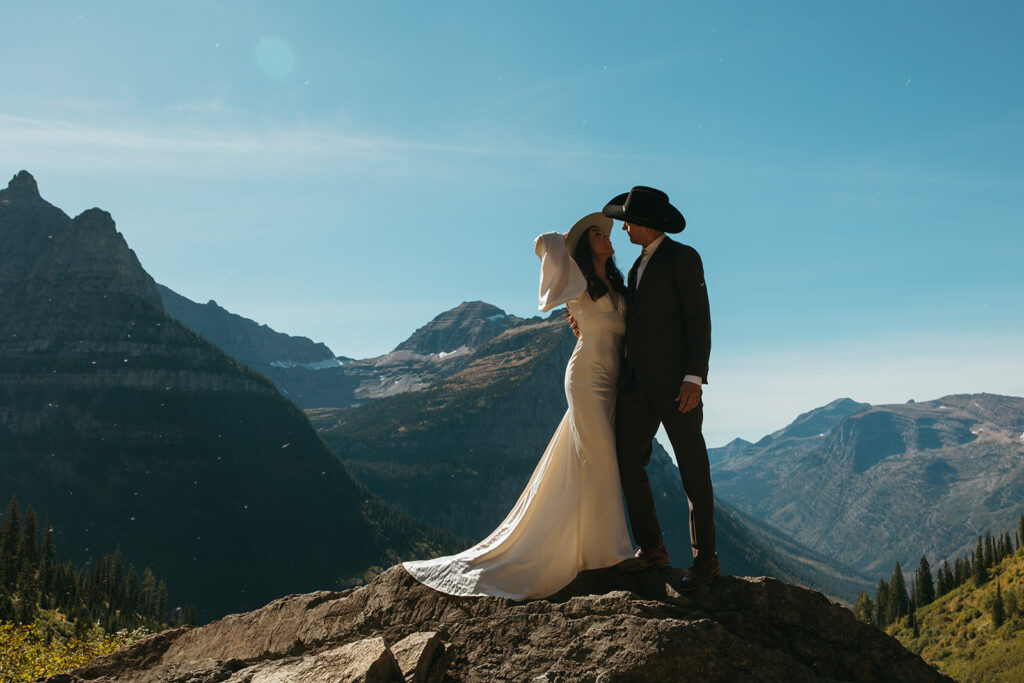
{"x":957,"y":634}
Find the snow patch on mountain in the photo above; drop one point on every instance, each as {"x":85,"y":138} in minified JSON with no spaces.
{"x":318,"y":365}
{"x":461,"y":351}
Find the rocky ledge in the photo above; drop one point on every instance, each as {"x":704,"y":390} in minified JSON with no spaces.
{"x":606,"y":626}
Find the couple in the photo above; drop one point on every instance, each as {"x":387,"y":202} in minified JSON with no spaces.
{"x":641,"y":358}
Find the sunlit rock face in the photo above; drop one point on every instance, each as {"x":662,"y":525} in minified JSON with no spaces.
{"x":129,"y":430}
{"x":605,"y":626}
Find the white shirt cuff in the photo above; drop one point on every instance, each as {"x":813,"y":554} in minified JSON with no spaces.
{"x":693,"y":378}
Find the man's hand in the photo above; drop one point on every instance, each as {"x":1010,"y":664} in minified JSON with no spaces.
{"x":689,"y":396}
{"x":573,"y":325}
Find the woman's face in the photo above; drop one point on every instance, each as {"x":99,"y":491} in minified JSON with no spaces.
{"x":600,"y":243}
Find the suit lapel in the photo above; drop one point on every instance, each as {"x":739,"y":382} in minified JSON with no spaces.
{"x":631,"y":278}
{"x":653,"y":266}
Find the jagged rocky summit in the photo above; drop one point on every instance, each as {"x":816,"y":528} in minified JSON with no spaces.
{"x":605,"y":626}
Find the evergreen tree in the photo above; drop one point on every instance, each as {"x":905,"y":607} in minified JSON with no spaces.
{"x":148,"y":593}
{"x":980,"y":574}
{"x":864,"y":609}
{"x":10,"y":532}
{"x":998,"y":610}
{"x":6,"y":605}
{"x":30,"y":538}
{"x":881,"y":604}
{"x":48,"y":565}
{"x":132,"y":591}
{"x":28,"y":596}
{"x":161,"y":602}
{"x":898,"y":593}
{"x":943,"y":584}
{"x":1012,"y":603}
{"x":990,"y":551}
{"x":925,"y":585}
{"x":958,"y":576}
{"x":1020,"y":531}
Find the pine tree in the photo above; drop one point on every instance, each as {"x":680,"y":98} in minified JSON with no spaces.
{"x":980,"y":574}
{"x":48,"y":565}
{"x":881,"y":604}
{"x":132,"y":591}
{"x":898,"y":593}
{"x":990,"y":552}
{"x":29,"y":550}
{"x":10,"y":533}
{"x":944,"y":580}
{"x":864,"y":609}
{"x":1020,"y":532}
{"x":148,"y":593}
{"x":161,"y":602}
{"x":998,"y":610}
{"x":6,"y":605}
{"x":925,"y":585}
{"x":28,"y":595}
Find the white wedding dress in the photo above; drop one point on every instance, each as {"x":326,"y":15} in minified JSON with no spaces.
{"x":570,"y":517}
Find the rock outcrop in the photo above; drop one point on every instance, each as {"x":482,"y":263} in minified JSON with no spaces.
{"x":606,"y":626}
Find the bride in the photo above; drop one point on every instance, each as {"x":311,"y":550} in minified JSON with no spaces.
{"x":570,"y":517}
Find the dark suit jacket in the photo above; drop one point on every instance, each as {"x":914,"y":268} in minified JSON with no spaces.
{"x":668,"y":321}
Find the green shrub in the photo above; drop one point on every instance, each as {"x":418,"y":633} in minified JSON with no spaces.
{"x":27,"y":653}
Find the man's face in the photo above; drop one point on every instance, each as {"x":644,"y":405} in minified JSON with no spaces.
{"x":638,"y":234}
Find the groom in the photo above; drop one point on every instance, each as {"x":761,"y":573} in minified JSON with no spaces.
{"x":668,"y":342}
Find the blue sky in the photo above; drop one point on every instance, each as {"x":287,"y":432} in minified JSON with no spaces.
{"x":851,"y":172}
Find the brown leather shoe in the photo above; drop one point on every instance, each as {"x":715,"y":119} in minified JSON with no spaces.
{"x":655,"y":557}
{"x":701,"y":572}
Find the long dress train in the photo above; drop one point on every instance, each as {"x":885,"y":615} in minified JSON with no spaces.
{"x":570,"y":517}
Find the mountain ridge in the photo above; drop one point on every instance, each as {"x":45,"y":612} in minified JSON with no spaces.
{"x":885,"y":482}
{"x":132,"y":431}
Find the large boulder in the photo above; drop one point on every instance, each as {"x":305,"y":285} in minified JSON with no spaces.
{"x":606,"y":626}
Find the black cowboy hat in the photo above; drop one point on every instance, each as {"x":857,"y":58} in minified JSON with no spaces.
{"x":647,"y":207}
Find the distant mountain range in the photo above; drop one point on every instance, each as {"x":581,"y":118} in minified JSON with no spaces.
{"x":872,"y":485}
{"x":313,"y":377}
{"x":130,"y":430}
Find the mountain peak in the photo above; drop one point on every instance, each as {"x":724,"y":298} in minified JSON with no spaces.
{"x":820,"y":420}
{"x":23,"y":184}
{"x":469,"y":325}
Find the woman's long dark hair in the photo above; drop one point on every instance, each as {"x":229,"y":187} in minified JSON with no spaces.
{"x":596,"y":288}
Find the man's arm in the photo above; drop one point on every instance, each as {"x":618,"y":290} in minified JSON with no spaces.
{"x":696,"y":311}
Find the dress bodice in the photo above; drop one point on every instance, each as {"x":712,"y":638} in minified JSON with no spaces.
{"x":603,"y":314}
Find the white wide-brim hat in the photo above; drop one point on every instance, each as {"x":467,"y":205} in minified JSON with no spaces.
{"x":591,"y":220}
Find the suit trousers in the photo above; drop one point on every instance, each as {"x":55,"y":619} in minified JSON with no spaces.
{"x":638,"y":413}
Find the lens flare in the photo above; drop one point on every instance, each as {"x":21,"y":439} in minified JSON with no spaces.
{"x":274,"y":56}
